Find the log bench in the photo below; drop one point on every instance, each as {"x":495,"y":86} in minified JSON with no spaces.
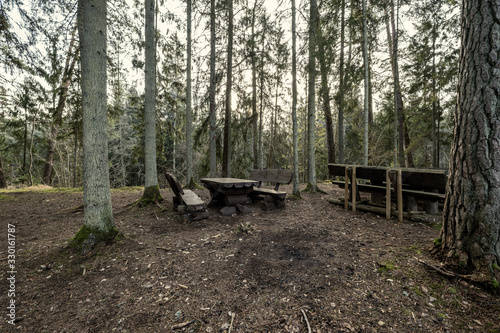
{"x":186,"y":202}
{"x":270,"y":198}
{"x":406,"y":186}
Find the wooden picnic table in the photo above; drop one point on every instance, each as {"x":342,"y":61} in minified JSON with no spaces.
{"x":231,"y":193}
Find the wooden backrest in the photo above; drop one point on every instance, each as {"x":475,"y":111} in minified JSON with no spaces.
{"x":336,"y":170}
{"x":174,"y":184}
{"x":425,"y":178}
{"x":278,"y":176}
{"x":415,"y":178}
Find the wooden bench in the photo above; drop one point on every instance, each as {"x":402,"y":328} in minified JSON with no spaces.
{"x":271,"y":198}
{"x":404,"y":185}
{"x":186,"y":202}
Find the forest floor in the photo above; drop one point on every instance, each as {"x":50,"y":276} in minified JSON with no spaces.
{"x":310,"y":264}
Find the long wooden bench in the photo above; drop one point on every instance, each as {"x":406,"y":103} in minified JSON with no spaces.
{"x":186,"y":202}
{"x":272,"y":198}
{"x":405,"y":185}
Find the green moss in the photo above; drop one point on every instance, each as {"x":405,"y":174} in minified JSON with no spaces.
{"x":44,"y":190}
{"x":151,"y":195}
{"x":101,"y":235}
{"x":5,"y":197}
{"x":494,"y":283}
{"x":295,"y":197}
{"x":417,"y":291}
{"x":452,"y":290}
{"x":127,"y":189}
{"x":438,"y":242}
{"x":386,"y":266}
{"x":310,"y":188}
{"x":194,"y":185}
{"x":495,"y":266}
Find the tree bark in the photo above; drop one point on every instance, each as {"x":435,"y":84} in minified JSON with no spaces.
{"x":311,"y":98}
{"x":366,"y":98}
{"x":226,"y":153}
{"x":471,"y":215}
{"x":212,"y":130}
{"x":404,"y":155}
{"x":71,"y":59}
{"x":325,"y":95}
{"x":341,"y":85}
{"x":151,"y":190}
{"x":261,"y":110}
{"x":189,"y":111}
{"x":254,"y":93}
{"x":296,"y":190}
{"x":3,"y":181}
{"x":98,"y":213}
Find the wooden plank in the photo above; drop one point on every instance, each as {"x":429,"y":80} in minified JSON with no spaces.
{"x":373,"y":173}
{"x":230,"y":182}
{"x":388,"y":194}
{"x":346,"y":189}
{"x":192,"y":200}
{"x":425,"y":178}
{"x":369,"y":208}
{"x":336,"y":170}
{"x":174,"y":184}
{"x":399,"y":184}
{"x":354,"y":188}
{"x":278,"y":194}
{"x":279,"y":176}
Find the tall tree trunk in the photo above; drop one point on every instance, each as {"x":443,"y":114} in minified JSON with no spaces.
{"x":151,"y":189}
{"x":254,"y":92}
{"x":3,"y":181}
{"x":471,"y":215}
{"x":341,"y":85}
{"x":212,"y":130}
{"x":404,"y":154}
{"x":261,"y":111}
{"x":296,"y":190}
{"x":71,"y":58}
{"x":366,"y":99}
{"x":325,"y":95}
{"x":25,"y":144}
{"x":226,"y":153}
{"x":75,"y":152}
{"x":435,"y":152}
{"x":311,"y":98}
{"x":189,"y":111}
{"x":32,"y":136}
{"x":98,"y":213}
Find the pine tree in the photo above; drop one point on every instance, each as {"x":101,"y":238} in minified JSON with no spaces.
{"x":98,"y":214}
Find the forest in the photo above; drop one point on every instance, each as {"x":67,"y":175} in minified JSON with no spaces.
{"x":103,"y":102}
{"x":368,"y":60}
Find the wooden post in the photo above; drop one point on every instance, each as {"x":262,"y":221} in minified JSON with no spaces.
{"x":399,"y":184}
{"x":354,"y":188}
{"x":346,"y":189}
{"x":388,"y":194}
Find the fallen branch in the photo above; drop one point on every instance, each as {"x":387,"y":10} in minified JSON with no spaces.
{"x":444,"y":272}
{"x":182,"y":325}
{"x":307,"y":321}
{"x":232,"y":320}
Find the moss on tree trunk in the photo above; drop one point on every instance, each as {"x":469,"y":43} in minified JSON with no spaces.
{"x":151,"y":195}
{"x":87,"y":238}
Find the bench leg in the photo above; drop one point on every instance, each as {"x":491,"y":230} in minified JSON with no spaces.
{"x":431,"y":207}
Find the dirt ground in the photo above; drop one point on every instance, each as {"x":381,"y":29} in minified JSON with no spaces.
{"x":312,"y":265}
